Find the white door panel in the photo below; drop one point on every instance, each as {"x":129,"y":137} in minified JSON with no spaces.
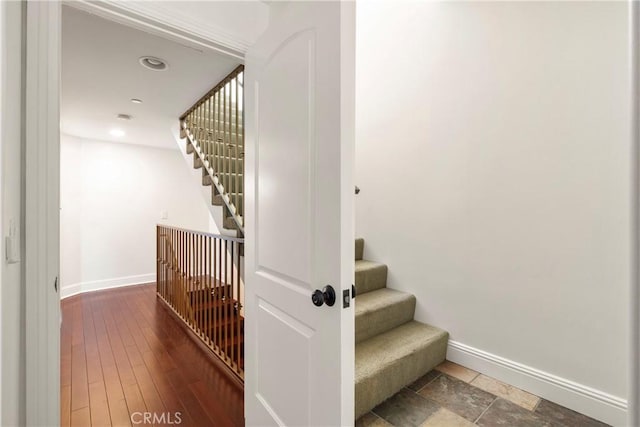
{"x":299,"y":229}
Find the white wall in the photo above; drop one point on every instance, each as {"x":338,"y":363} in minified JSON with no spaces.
{"x":12,"y":321}
{"x":493,"y":154}
{"x":112,"y":196}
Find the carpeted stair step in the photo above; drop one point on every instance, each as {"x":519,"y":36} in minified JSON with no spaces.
{"x":382,"y":310}
{"x":390,"y":361}
{"x":359,"y":249}
{"x":370,"y":276}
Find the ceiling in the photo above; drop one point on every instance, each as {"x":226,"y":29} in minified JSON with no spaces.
{"x":101,"y":73}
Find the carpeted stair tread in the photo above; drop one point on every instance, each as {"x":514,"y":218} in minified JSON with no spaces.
{"x":359,"y":249}
{"x":381,"y":310}
{"x":386,"y":363}
{"x":370,"y":276}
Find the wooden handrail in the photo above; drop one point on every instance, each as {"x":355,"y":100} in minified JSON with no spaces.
{"x":216,"y":88}
{"x":204,"y":233}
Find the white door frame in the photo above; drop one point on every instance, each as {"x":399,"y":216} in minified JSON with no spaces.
{"x":633,"y":400}
{"x":42,"y":110}
{"x":41,"y":176}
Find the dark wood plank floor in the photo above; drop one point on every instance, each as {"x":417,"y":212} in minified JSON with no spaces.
{"x":123,"y":353}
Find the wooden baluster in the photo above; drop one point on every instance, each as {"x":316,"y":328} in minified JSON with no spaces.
{"x":218,"y":135}
{"x":196,"y":134}
{"x":240,"y":309}
{"x":216,"y":322}
{"x":195,"y":285}
{"x":200,"y":127}
{"x":232,"y":166}
{"x":174,"y":246}
{"x":228,"y":324}
{"x":193,"y":273}
{"x":202,"y":285}
{"x":209,"y":132}
{"x":236,"y":153}
{"x":241,"y":149}
{"x":226,"y":298}
{"x":180,"y":273}
{"x":207,"y":272}
{"x":223,"y":292}
{"x":203,"y":133}
{"x":185,"y":275}
{"x":177,"y":272}
{"x":232,"y":329}
{"x":229,"y":120}
{"x":224,"y":139}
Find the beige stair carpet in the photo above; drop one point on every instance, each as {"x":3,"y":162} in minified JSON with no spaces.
{"x":392,"y":349}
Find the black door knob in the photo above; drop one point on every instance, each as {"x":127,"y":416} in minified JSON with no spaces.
{"x":325,"y":296}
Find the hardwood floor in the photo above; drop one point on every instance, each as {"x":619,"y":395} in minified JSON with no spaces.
{"x":124,"y":357}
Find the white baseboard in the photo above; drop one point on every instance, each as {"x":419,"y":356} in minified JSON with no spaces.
{"x":98,"y":285}
{"x":581,"y":398}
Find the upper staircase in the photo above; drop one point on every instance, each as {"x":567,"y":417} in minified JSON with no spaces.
{"x":214,"y":132}
{"x":392,"y":349}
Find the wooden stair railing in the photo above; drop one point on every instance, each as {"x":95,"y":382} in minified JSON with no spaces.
{"x":214,"y":128}
{"x":199,"y":277}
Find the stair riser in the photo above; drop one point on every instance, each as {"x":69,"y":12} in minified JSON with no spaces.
{"x":375,"y":322}
{"x":359,"y":249}
{"x":376,"y":389}
{"x":371,"y":279}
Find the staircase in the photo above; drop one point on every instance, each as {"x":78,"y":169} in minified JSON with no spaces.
{"x":392,"y":349}
{"x":214,"y":131}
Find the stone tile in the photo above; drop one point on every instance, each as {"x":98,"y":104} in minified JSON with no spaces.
{"x":406,"y":408}
{"x":507,"y":414}
{"x":563,"y":417}
{"x":446,"y":418}
{"x":506,"y":391}
{"x":423,"y":380}
{"x":458,"y":396}
{"x":457,"y":371}
{"x":371,"y":420}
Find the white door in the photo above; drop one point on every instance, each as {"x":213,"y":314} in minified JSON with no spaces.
{"x":299,"y":222}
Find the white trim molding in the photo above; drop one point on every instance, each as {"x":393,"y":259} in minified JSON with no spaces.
{"x":579,"y":397}
{"x":634,"y":292}
{"x":100,"y":285}
{"x":153,"y":18}
{"x":42,"y":213}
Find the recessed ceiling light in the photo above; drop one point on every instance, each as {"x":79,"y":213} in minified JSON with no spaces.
{"x":136,"y":100}
{"x":116,"y":132}
{"x":124,"y":116}
{"x":153,"y":63}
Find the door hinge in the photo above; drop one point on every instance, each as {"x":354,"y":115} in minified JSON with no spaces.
{"x":55,"y":284}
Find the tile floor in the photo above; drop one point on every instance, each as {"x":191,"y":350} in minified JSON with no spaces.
{"x":454,"y":396}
